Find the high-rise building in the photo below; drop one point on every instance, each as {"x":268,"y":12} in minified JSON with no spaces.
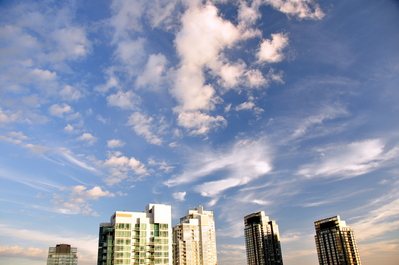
{"x":194,"y":238}
{"x":335,"y":242}
{"x":62,"y":254}
{"x":262,"y":240}
{"x":137,"y":237}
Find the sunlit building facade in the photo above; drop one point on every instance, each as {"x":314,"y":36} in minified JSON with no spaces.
{"x":62,"y":254}
{"x":137,"y":237}
{"x":194,"y":238}
{"x":262,"y":240}
{"x":335,"y":242}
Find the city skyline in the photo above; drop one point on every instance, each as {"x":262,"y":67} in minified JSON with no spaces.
{"x":283,"y":106}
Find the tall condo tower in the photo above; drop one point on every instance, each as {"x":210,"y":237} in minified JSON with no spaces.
{"x":335,"y":242}
{"x":137,"y":237}
{"x":262,"y":240}
{"x":194,"y":238}
{"x":62,"y":254}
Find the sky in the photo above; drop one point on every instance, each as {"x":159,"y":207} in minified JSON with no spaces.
{"x":283,"y":106}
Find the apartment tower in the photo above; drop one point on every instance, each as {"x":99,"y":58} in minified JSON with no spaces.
{"x":194,"y":238}
{"x":335,"y":242}
{"x":137,"y":237}
{"x":62,"y":254}
{"x":262,"y":240}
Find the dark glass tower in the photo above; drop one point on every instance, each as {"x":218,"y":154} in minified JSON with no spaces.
{"x":262,"y":240}
{"x":335,"y":242}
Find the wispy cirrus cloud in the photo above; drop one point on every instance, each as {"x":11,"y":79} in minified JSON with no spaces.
{"x":349,"y":160}
{"x":242,"y":163}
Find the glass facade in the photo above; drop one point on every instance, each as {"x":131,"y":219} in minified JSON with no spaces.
{"x":62,"y":254}
{"x":335,"y":243}
{"x":136,"y":238}
{"x":262,"y":240}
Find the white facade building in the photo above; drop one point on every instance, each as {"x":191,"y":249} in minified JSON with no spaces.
{"x":137,"y":237}
{"x":194,"y":238}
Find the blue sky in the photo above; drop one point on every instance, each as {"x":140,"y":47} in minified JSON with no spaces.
{"x":286,"y":106}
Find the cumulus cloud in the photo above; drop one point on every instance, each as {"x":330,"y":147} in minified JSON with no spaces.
{"x":70,"y":93}
{"x":119,"y":167}
{"x":143,"y":126}
{"x":245,"y":106}
{"x":303,"y":9}
{"x":154,"y":72}
{"x":126,"y":18}
{"x":115,"y":143}
{"x":111,"y":83}
{"x":271,"y":50}
{"x":43,"y":74}
{"x":60,"y":110}
{"x":87,"y":137}
{"x":130,"y":52}
{"x":18,"y":135}
{"x":200,"y":123}
{"x":242,"y":163}
{"x":179,"y":196}
{"x":72,"y":43}
{"x":69,"y":128}
{"x":8,"y":116}
{"x":349,"y":160}
{"x":77,"y":200}
{"x":124,"y":100}
{"x":17,"y":251}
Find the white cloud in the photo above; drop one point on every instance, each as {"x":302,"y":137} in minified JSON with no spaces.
{"x":60,"y":110}
{"x":72,"y":43}
{"x":130,"y":52}
{"x":87,"y":137}
{"x":381,"y":218}
{"x":69,"y":128}
{"x":124,"y":100}
{"x":200,"y":123}
{"x":18,"y":135}
{"x":142,"y":125}
{"x":43,"y":74}
{"x":303,"y":9}
{"x":119,"y":167}
{"x":154,"y":72}
{"x":244,"y":162}
{"x":111,"y":83}
{"x":17,"y":251}
{"x":115,"y":143}
{"x":67,"y":154}
{"x":162,"y":165}
{"x":348,"y":160}
{"x":179,"y":196}
{"x":271,"y":50}
{"x":77,"y":201}
{"x":126,"y":18}
{"x":245,"y":106}
{"x":87,"y":244}
{"x":204,"y":34}
{"x":8,"y":116}
{"x":70,"y":93}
